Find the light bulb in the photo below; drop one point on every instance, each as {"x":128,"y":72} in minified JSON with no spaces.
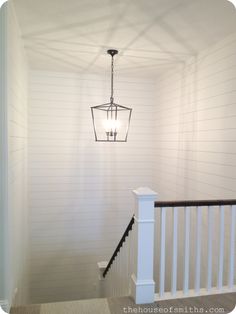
{"x":111,"y":125}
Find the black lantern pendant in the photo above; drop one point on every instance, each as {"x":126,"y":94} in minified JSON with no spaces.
{"x":111,"y":121}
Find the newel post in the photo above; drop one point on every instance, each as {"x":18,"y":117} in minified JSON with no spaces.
{"x":142,"y":283}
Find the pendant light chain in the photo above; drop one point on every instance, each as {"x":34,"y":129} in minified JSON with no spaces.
{"x":112,"y":78}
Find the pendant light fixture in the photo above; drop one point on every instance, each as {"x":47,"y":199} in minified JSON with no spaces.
{"x":111,"y":121}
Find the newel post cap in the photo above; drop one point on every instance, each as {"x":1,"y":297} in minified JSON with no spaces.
{"x":145,"y":193}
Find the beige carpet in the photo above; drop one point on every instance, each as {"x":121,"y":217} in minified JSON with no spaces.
{"x":93,"y":306}
{"x":223,"y":304}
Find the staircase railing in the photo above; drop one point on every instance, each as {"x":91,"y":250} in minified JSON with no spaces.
{"x":116,"y":276}
{"x":190,"y":251}
{"x":199,"y":248}
{"x":119,"y":246}
{"x":130,"y":269}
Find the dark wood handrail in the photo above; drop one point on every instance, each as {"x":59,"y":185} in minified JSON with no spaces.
{"x":195,"y":203}
{"x":127,"y":230}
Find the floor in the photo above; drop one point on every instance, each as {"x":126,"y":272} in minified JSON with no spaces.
{"x":224,"y":303}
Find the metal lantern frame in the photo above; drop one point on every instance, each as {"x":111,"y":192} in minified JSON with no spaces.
{"x":112,"y":110}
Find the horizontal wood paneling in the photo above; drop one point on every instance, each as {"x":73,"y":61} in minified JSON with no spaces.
{"x":195,"y":125}
{"x":195,"y":144}
{"x":182,"y":142}
{"x":79,"y":190}
{"x":18,"y":215}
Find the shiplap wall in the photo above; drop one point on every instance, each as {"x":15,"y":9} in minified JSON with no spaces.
{"x":3,"y":150}
{"x":196,"y":141}
{"x":80,"y":190}
{"x":196,"y":126}
{"x":17,"y":117}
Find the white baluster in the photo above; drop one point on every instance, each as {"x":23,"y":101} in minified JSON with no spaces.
{"x":131,"y":258}
{"x":163,"y":251}
{"x":120,"y":261}
{"x":117,"y":282}
{"x":122,"y":269}
{"x":110,"y":283}
{"x":109,"y":276}
{"x":125,"y":273}
{"x":209,"y":248}
{"x":115,"y":278}
{"x":198,"y":250}
{"x":175,"y":251}
{"x":114,"y":272}
{"x":186,"y":249}
{"x":232,"y":247}
{"x":221,"y":249}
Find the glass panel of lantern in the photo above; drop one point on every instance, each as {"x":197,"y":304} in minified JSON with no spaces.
{"x":111,"y":122}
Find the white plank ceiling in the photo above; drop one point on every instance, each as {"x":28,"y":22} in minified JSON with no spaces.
{"x":151,"y":35}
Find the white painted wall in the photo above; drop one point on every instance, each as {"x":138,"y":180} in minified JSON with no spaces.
{"x":3,"y":152}
{"x":195,"y":144}
{"x":195,"y":126}
{"x":80,"y":190}
{"x":181,"y":144}
{"x":17,"y":211}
